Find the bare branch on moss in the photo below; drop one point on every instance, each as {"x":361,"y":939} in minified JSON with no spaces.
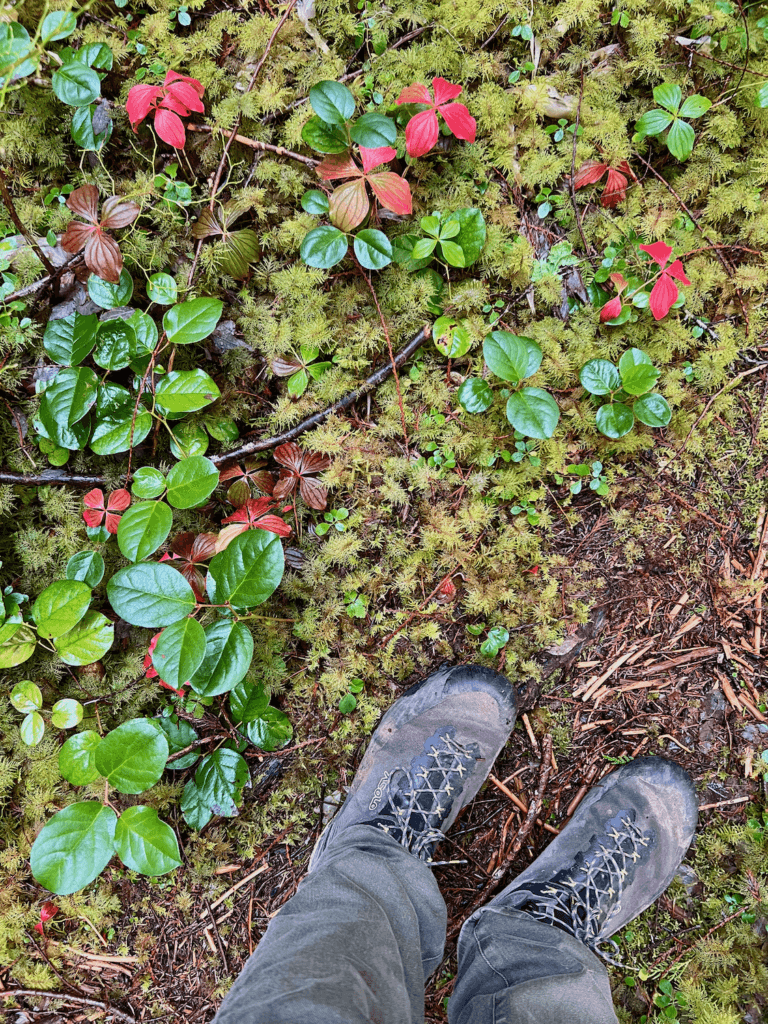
{"x":35,"y":993}
{"x":257,"y":144}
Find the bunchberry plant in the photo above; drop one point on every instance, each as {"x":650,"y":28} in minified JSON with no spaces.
{"x":562,"y":128}
{"x":300,"y":367}
{"x":333,"y":520}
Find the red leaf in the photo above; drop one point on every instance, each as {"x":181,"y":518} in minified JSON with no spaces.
{"x":174,"y":76}
{"x":118,"y":213}
{"x":313,"y":492}
{"x":171,"y":102}
{"x":285,"y":486}
{"x":338,"y":165}
{"x":230,"y":474}
{"x":274,"y":525}
{"x":85,"y":203}
{"x":615,"y":191}
{"x":284,"y":368}
{"x":181,"y":545}
{"x":626,"y":169}
{"x":444,"y":91}
{"x":184,"y":93}
{"x":349,"y":205}
{"x":119,"y":500}
{"x":103,"y":257}
{"x":392,"y":191}
{"x":77,"y":236}
{"x":421,"y":133}
{"x":289,"y":455}
{"x":374,"y":157}
{"x":141,"y":99}
{"x":659,"y":251}
{"x":228,"y":534}
{"x":611,"y":309}
{"x":315,"y":462}
{"x":194,"y":578}
{"x":170,"y":129}
{"x":618,"y":282}
{"x":112,"y":522}
{"x":591,"y":171}
{"x":460,"y":121}
{"x":263,"y":480}
{"x":414,"y":94}
{"x":663,"y":296}
{"x":94,"y":499}
{"x":204,"y":547}
{"x":675,"y":269}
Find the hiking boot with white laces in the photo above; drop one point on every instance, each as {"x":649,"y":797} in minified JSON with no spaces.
{"x":618,"y":853}
{"x":429,"y":756}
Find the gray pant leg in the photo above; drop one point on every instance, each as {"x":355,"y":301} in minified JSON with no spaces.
{"x":355,"y":944}
{"x":516,"y":970}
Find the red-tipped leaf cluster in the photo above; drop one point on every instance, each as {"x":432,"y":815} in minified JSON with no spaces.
{"x":96,"y":510}
{"x":300,"y":467}
{"x":349,"y":204}
{"x":177,"y":97}
{"x":102,"y":253}
{"x":47,"y":911}
{"x":665,"y":291}
{"x":615,"y":191}
{"x":422,"y":130}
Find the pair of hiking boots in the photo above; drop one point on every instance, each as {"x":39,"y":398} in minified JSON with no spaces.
{"x":435,"y":747}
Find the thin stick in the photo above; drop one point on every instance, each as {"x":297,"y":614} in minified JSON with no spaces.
{"x":80,"y":1000}
{"x":725,"y":803}
{"x":257,"y":144}
{"x":8,"y":200}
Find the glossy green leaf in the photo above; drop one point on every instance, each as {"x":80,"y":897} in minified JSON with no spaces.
{"x":669,"y":96}
{"x":151,"y":595}
{"x":115,"y":343}
{"x":15,"y":46}
{"x":179,"y":651}
{"x":423,"y":249}
{"x":60,"y":607}
{"x":144,"y":843}
{"x":653,"y":410}
{"x":87,"y":566}
{"x":761,"y":100}
{"x":132,"y":757}
{"x":510,"y":357}
{"x":653,"y":122}
{"x":143,"y":528}
{"x":67,"y":399}
{"x":74,"y":847}
{"x":475,"y":395}
{"x":18,"y":647}
{"x":324,"y":247}
{"x":271,"y":730}
{"x":191,"y":481}
{"x":114,"y":415}
{"x":26,"y":697}
{"x":373,"y":249}
{"x":179,"y":735}
{"x":615,"y":420}
{"x":450,"y":337}
{"x":471,"y":235}
{"x":681,"y":139}
{"x":220,"y":778}
{"x":57,"y":25}
{"x":453,"y":254}
{"x":69,"y":340}
{"x":148,"y":482}
{"x":374,"y":131}
{"x":228,"y":654}
{"x":66,"y":713}
{"x":83,"y":131}
{"x":638,"y":374}
{"x":533,"y":412}
{"x":185,"y":391}
{"x":314,"y":201}
{"x":332,"y":102}
{"x":247,"y":702}
{"x":298,"y":383}
{"x":695,"y":106}
{"x":75,"y":84}
{"x":192,"y":321}
{"x":188,"y":439}
{"x":162,"y":288}
{"x":96,"y":55}
{"x":324,"y":138}
{"x":600,"y":377}
{"x":77,"y":758}
{"x":194,"y":806}
{"x":111,"y":296}
{"x":32,"y":729}
{"x":247,"y":571}
{"x":144,"y":334}
{"x":88,"y":641}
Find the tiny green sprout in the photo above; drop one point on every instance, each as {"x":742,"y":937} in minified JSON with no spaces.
{"x":496,"y":639}
{"x":545,"y":206}
{"x":333,"y":519}
{"x":597,"y":482}
{"x":357,"y":604}
{"x":524,"y":70}
{"x":494,"y":309}
{"x":522,"y":31}
{"x":181,"y":14}
{"x":671,"y":113}
{"x":476,"y":629}
{"x":620,"y":18}
{"x":530,"y":512}
{"x":558,"y":131}
{"x":440,"y":459}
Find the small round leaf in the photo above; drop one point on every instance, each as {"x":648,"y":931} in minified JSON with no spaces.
{"x":26,"y":697}
{"x":533,"y":412}
{"x":86,"y":566}
{"x":151,"y":595}
{"x":179,"y":651}
{"x":148,"y":482}
{"x":615,"y":420}
{"x":600,"y":377}
{"x":32,"y":729}
{"x":332,"y":102}
{"x":144,"y":843}
{"x":88,"y":641}
{"x":143,"y":528}
{"x":315,"y":201}
{"x":132,"y":757}
{"x":475,"y":395}
{"x":373,"y":249}
{"x":77,"y":758}
{"x":67,"y":713}
{"x":653,"y":410}
{"x":324,"y":247}
{"x":162,"y":289}
{"x":191,"y":481}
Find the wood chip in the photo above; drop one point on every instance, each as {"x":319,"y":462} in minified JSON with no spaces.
{"x":682,"y":601}
{"x":687,"y":626}
{"x":697,"y":654}
{"x":531,"y":737}
{"x":725,"y":803}
{"x":608,"y":673}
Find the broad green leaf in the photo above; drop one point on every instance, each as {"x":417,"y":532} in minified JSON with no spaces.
{"x":57,"y":25}
{"x":60,"y":607}
{"x":115,"y":414}
{"x":475,"y":395}
{"x":26,"y":697}
{"x":32,"y":729}
{"x":179,"y":735}
{"x":151,"y":595}
{"x":15,"y":46}
{"x":192,"y":321}
{"x":132,"y":757}
{"x":220,"y":778}
{"x":247,"y":571}
{"x":247,"y":702}
{"x":18,"y":647}
{"x":324,"y":138}
{"x":653,"y":122}
{"x":114,"y":345}
{"x":185,"y":391}
{"x":533,"y":412}
{"x":452,"y":254}
{"x":271,"y":730}
{"x":191,"y":481}
{"x":188,"y":439}
{"x":374,"y":131}
{"x":111,"y":296}
{"x":510,"y":357}
{"x":195,"y":806}
{"x":669,"y":96}
{"x":148,"y":482}
{"x":332,"y":102}
{"x":75,"y":84}
{"x":143,"y":528}
{"x":638,"y":374}
{"x":451,"y":338}
{"x":315,"y":201}
{"x":66,"y":713}
{"x":471,"y":236}
{"x":297,"y":384}
{"x":77,"y":758}
{"x":70,"y":339}
{"x":653,"y":410}
{"x":600,"y":377}
{"x":228,"y":654}
{"x":162,"y":288}
{"x":87,"y":566}
{"x":402,"y":252}
{"x":695,"y":106}
{"x":681,"y":139}
{"x":144,"y":333}
{"x":179,"y":651}
{"x":87,"y":642}
{"x":324,"y":247}
{"x":144,"y":843}
{"x":74,"y":847}
{"x":615,"y":420}
{"x":373,"y":249}
{"x":66,"y":400}
{"x":96,"y":55}
{"x":83,"y":130}
{"x":423,"y":249}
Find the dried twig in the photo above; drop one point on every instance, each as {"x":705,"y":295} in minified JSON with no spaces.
{"x":8,"y":200}
{"x":266,"y":147}
{"x":34,"y":993}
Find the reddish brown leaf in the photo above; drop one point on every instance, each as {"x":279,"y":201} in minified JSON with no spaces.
{"x":339,"y":165}
{"x":228,"y":534}
{"x":290,"y":456}
{"x":274,"y":524}
{"x":283,"y":487}
{"x":85,"y":203}
{"x":103,"y":257}
{"x":118,"y":213}
{"x":238,"y":493}
{"x":194,"y":578}
{"x":615,"y":190}
{"x":230,"y":474}
{"x":392,"y":191}
{"x":314,"y":462}
{"x":313,"y":492}
{"x":119,"y":500}
{"x":181,"y":545}
{"x":349,"y":205}
{"x":589,"y":172}
{"x":77,"y":235}
{"x":285,"y":367}
{"x":263,"y":480}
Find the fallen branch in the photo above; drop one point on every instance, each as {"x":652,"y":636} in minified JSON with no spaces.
{"x":80,"y":1000}
{"x":56,"y":477}
{"x":266,"y":147}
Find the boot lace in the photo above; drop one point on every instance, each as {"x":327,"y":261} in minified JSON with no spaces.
{"x":586,"y":897}
{"x":417,"y":799}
